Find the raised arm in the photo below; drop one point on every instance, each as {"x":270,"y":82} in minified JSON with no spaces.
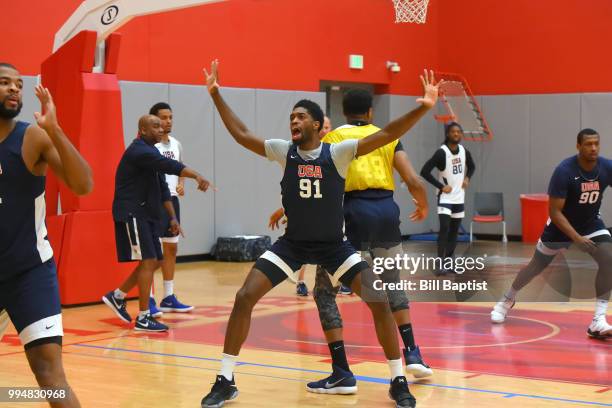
{"x":398,"y":127}
{"x":404,"y":168}
{"x":234,"y":125}
{"x":56,"y":150}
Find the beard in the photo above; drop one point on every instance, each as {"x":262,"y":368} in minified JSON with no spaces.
{"x":8,"y":114}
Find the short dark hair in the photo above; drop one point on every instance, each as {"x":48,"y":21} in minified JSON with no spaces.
{"x":448,"y":126}
{"x":7,"y":65}
{"x":159,"y":106}
{"x":313,"y":110}
{"x":586,"y":133}
{"x":356,"y":102}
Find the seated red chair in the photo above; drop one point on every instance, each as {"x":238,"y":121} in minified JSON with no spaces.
{"x":489,"y":208}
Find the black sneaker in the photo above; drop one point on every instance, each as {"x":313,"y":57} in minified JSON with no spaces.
{"x":222,"y":390}
{"x":117,"y":306}
{"x":399,"y":392}
{"x":149,"y":324}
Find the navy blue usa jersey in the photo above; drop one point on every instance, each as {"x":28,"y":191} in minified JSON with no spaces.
{"x":313,"y":193}
{"x":582,"y":191}
{"x":23,"y":234}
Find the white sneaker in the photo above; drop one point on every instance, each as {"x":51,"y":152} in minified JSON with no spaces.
{"x":500,"y":310}
{"x":600,"y":329}
{"x":4,"y":320}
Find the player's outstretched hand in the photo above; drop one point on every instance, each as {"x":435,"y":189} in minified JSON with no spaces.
{"x":447,"y":189}
{"x":586,"y":245}
{"x":212,"y":78}
{"x":430,"y":89}
{"x":420,"y":213}
{"x":47,"y":117}
{"x":275,"y":218}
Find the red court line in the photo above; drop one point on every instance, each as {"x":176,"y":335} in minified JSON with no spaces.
{"x":449,"y":340}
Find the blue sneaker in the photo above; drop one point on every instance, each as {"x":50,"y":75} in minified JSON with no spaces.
{"x":301,"y":289}
{"x":117,"y":306}
{"x":155,"y":312}
{"x":415,"y":364}
{"x":345,"y":290}
{"x":340,"y":382}
{"x":171,"y":304}
{"x":149,"y":324}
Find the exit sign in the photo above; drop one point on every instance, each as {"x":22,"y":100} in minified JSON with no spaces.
{"x":355,"y":61}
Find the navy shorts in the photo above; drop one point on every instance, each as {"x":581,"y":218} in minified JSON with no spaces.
{"x":166,"y":235}
{"x":32,"y":301}
{"x":372,"y":222}
{"x":137,"y":239}
{"x":554,"y":240}
{"x":286,"y":257}
{"x":454,"y":210}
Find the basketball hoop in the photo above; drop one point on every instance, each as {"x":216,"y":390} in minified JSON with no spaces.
{"x":410,"y":11}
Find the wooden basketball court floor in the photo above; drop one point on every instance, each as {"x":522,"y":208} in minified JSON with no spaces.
{"x":540,"y":358}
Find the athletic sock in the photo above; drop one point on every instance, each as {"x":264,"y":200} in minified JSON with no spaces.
{"x":510,"y":293}
{"x":143,"y":313}
{"x":396,"y":367}
{"x":168,"y":288}
{"x":152,"y":294}
{"x":228,"y":362}
{"x":338,"y":354}
{"x":407,"y":336}
{"x":119,"y":294}
{"x":601,"y":308}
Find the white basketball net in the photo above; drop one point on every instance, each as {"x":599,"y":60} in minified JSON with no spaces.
{"x":410,"y":11}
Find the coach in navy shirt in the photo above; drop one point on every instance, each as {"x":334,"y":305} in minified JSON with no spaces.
{"x":141,"y":194}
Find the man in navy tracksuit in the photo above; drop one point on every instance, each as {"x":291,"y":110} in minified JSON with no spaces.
{"x":140,"y":192}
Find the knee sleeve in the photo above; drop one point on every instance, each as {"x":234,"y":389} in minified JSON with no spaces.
{"x":324,"y":295}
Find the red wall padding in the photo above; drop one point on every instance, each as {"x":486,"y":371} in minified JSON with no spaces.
{"x":83,"y":236}
{"x":87,"y":266}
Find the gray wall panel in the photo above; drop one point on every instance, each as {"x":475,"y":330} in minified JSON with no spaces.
{"x":136,"y":100}
{"x":533,"y":133}
{"x":504,"y":163}
{"x":554,"y":121}
{"x":30,"y":101}
{"x":596,"y":114}
{"x":235,"y":171}
{"x":193,"y":127}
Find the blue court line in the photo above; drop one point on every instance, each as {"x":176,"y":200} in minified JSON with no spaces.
{"x":132,"y":360}
{"x":358,"y":377}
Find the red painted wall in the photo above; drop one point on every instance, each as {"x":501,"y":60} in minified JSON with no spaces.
{"x":501,"y":46}
{"x":528,"y":46}
{"x":277,"y":44}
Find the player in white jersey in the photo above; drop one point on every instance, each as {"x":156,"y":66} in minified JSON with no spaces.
{"x":171,"y":148}
{"x":456,"y":166}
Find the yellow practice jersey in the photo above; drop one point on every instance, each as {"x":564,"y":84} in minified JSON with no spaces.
{"x":375,"y":169}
